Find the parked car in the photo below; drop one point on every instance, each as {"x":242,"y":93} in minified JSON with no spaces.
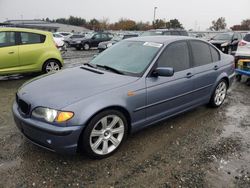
{"x":28,"y":50}
{"x":104,"y":45}
{"x":59,"y":40}
{"x":131,"y":85}
{"x":243,"y":50}
{"x":64,"y":34}
{"x":92,"y":40}
{"x":227,"y":42}
{"x":155,"y":32}
{"x":73,"y":38}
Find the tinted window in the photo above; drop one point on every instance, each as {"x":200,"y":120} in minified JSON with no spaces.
{"x":97,"y":36}
{"x":247,"y":38}
{"x":215,"y":54}
{"x":176,"y":56}
{"x":201,"y":53}
{"x":175,"y":33}
{"x":7,"y":39}
{"x":32,"y":38}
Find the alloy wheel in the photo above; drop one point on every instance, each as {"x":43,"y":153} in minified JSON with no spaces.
{"x":52,"y":66}
{"x":220,"y":93}
{"x":107,"y":134}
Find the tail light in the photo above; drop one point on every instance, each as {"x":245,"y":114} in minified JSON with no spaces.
{"x":242,"y":43}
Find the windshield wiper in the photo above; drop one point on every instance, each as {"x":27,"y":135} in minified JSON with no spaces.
{"x":110,"y":68}
{"x":90,"y":65}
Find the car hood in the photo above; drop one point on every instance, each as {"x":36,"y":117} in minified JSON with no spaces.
{"x":66,"y":87}
{"x":218,"y":41}
{"x":108,"y":42}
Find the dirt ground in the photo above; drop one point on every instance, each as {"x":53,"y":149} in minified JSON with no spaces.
{"x":202,"y":148}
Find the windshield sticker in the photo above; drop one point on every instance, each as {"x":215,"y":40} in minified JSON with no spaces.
{"x":152,"y":44}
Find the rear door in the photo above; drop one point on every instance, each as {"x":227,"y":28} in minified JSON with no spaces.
{"x":206,"y":63}
{"x":31,"y":48}
{"x":8,"y":50}
{"x":169,"y":95}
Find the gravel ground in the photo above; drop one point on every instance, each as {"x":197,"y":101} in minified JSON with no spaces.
{"x":202,"y":148}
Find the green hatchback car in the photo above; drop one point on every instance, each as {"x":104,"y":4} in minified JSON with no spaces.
{"x":28,"y":50}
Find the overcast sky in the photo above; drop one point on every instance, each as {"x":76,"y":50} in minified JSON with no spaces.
{"x":196,"y":14}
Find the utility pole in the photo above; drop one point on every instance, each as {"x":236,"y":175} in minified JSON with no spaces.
{"x":154,"y":14}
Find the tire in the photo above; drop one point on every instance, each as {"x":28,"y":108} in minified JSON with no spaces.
{"x":51,"y":65}
{"x":99,"y":140}
{"x":219,"y":94}
{"x":86,"y":46}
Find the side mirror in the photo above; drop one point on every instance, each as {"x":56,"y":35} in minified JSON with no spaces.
{"x":164,"y":71}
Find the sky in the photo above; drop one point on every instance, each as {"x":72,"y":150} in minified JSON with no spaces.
{"x":193,"y":14}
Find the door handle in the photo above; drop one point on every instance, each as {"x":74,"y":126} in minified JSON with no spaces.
{"x":216,"y":67}
{"x":11,"y":52}
{"x":189,"y":75}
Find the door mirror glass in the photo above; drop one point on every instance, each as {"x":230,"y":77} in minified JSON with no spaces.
{"x":164,"y":71}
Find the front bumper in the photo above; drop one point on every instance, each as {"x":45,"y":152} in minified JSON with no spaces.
{"x":50,"y":137}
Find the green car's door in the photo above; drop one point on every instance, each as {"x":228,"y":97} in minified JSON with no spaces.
{"x":8,"y":52}
{"x":31,"y":49}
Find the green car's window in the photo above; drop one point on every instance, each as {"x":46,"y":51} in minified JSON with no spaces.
{"x":7,"y":39}
{"x":32,"y":38}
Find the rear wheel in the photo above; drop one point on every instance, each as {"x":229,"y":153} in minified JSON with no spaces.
{"x":219,"y":94}
{"x":51,"y":65}
{"x":104,"y":134}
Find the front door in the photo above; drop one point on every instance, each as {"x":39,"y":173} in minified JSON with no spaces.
{"x":8,"y":51}
{"x":167,"y":96}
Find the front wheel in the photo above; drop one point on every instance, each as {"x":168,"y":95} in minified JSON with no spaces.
{"x":86,"y":46}
{"x":104,"y":134}
{"x":219,"y":94}
{"x":51,"y":65}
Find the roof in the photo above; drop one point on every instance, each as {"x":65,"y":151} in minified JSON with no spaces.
{"x":45,"y":24}
{"x":24,"y":30}
{"x":160,"y":39}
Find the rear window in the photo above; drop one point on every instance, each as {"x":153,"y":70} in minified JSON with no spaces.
{"x":201,"y":53}
{"x":247,"y":38}
{"x":32,"y":38}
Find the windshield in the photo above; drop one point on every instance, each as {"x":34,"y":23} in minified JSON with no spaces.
{"x":224,"y":36}
{"x":152,"y":33}
{"x":140,"y":56}
{"x":117,"y":37}
{"x":89,"y":35}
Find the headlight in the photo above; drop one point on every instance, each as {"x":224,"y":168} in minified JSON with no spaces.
{"x":224,"y":44}
{"x":51,"y":115}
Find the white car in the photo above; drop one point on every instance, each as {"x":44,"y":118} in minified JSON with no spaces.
{"x":64,"y":34}
{"x":243,"y":50}
{"x":59,"y":40}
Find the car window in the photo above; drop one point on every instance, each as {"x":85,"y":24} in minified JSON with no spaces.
{"x":176,"y":56}
{"x":98,"y":36}
{"x":201,"y":53}
{"x":31,"y":38}
{"x":175,"y":33}
{"x":247,"y":38}
{"x":7,"y":39}
{"x":183,"y":33}
{"x":215,"y":54}
{"x":104,"y":36}
{"x":167,"y":33}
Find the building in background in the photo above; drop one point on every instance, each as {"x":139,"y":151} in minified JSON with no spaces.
{"x":43,"y":25}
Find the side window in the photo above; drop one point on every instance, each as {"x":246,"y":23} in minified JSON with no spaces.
{"x":32,"y":38}
{"x":215,"y":54}
{"x":7,"y":39}
{"x":97,"y":36}
{"x":201,"y":53}
{"x":176,"y":55}
{"x":104,"y":36}
{"x":167,"y":33}
{"x":175,"y":33}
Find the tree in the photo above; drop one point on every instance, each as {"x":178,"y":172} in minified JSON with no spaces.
{"x":219,"y":24}
{"x":174,"y":24}
{"x":159,"y":23}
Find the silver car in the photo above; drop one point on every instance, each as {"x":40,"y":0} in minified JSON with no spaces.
{"x":131,"y":85}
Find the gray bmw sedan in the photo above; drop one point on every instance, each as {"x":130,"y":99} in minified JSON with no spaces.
{"x":133,"y":84}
